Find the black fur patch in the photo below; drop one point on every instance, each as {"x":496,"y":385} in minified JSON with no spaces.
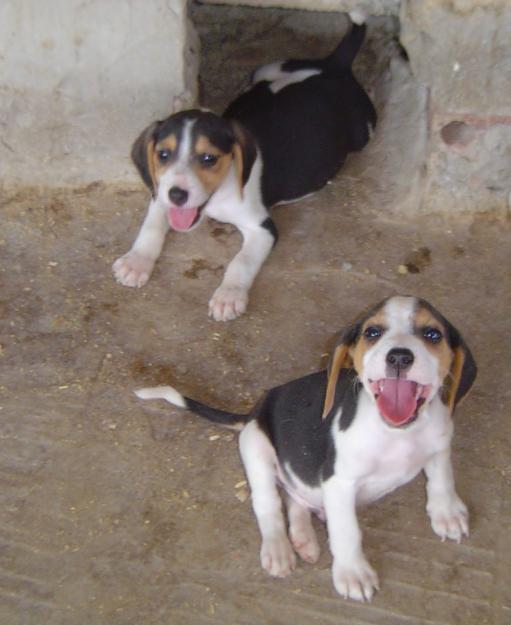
{"x":291,"y":417}
{"x":305,"y":130}
{"x":221,"y":417}
{"x":219,"y":131}
{"x":269,"y":225}
{"x":346,"y":397}
{"x":297,"y":65}
{"x":248,"y":148}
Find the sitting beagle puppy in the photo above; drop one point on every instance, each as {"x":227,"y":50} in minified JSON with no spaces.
{"x":284,"y":138}
{"x":335,"y":439}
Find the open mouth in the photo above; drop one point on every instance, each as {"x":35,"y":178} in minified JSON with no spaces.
{"x":182,"y":219}
{"x":399,"y":400}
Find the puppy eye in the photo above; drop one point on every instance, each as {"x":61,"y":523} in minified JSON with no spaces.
{"x":372,"y":333}
{"x":163,"y":155}
{"x":207,"y":160}
{"x":432,"y":335}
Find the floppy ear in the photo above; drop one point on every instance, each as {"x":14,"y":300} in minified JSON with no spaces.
{"x":245,"y":154}
{"x":142,"y":155}
{"x":340,"y":359}
{"x":463,"y":370}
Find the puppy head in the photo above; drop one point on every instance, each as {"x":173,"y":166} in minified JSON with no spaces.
{"x":405,"y":353}
{"x":185,"y":158}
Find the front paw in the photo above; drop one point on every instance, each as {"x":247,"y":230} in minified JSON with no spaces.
{"x":449,"y":517}
{"x":133,"y":269}
{"x":228,"y":303}
{"x":277,"y":556}
{"x":355,"y":578}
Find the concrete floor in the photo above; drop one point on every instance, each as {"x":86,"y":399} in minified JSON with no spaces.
{"x":122,"y":513}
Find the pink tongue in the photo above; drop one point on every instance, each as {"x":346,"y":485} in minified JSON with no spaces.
{"x":182,"y":218}
{"x":396,"y":401}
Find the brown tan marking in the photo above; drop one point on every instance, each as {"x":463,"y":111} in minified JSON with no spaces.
{"x":211,"y":177}
{"x":169,"y":143}
{"x":240,"y":149}
{"x":340,"y":360}
{"x":348,"y":355}
{"x":454,"y":379}
{"x":204,"y":146}
{"x":362,"y":345}
{"x":441,"y":351}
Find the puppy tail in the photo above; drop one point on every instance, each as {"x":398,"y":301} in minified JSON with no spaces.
{"x":230,"y":420}
{"x":344,"y":55}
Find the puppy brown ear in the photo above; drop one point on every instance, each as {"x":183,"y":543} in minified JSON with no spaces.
{"x":245,"y":154}
{"x":142,"y":155}
{"x":463,"y":370}
{"x":340,"y":359}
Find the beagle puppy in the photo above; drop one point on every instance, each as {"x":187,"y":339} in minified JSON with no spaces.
{"x":284,"y":138}
{"x":340,"y":438}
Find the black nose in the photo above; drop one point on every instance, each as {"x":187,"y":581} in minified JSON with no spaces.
{"x":400,"y":358}
{"x":178,"y":196}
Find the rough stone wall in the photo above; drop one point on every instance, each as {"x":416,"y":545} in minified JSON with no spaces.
{"x":78,"y":80}
{"x":461,"y":50}
{"x":371,"y":7}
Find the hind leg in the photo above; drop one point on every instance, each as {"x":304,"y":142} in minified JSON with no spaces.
{"x":259,"y":460}
{"x":301,"y":532}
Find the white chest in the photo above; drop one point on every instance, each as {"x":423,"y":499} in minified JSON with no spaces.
{"x":377,"y":475}
{"x":379,"y":459}
{"x":376,"y":458}
{"x":229,"y":205}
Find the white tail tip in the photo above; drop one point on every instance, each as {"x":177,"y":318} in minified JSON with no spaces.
{"x":357,"y":16}
{"x":162,"y":392}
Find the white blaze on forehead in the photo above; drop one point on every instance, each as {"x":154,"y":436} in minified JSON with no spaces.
{"x":180,"y":174}
{"x":185,"y":144}
{"x":400,"y":312}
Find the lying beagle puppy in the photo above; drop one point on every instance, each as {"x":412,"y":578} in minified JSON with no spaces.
{"x":335,"y":439}
{"x":284,"y":138}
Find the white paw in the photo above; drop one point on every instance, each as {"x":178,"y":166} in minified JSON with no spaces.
{"x":277,"y":556}
{"x":133,"y":269}
{"x":449,"y":517}
{"x":305,"y":543}
{"x":228,"y":303}
{"x":355,"y":579}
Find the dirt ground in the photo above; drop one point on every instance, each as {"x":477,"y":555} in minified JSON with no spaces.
{"x":119,"y":512}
